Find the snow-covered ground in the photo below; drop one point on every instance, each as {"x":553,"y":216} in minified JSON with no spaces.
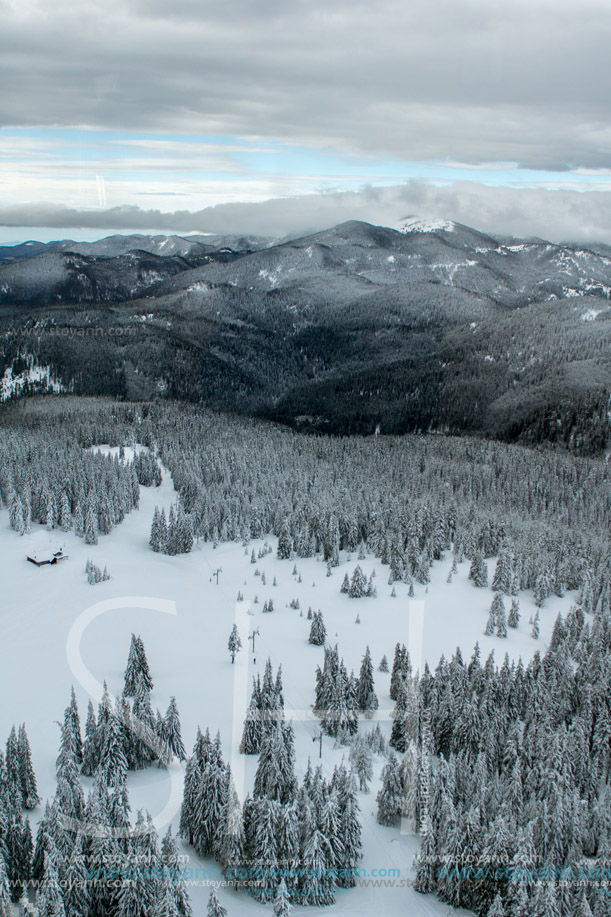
{"x":188,"y":656}
{"x":413,"y":224}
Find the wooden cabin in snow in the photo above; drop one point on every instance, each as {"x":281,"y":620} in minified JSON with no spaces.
{"x":54,"y":559}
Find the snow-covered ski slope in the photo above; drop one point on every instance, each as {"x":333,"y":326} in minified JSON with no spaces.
{"x":188,"y":656}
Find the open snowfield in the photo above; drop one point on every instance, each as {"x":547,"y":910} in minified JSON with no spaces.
{"x":188,"y":657}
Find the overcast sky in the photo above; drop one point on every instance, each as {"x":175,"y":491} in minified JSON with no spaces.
{"x":287,"y":115}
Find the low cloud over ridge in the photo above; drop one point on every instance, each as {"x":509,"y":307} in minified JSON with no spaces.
{"x":556,"y":215}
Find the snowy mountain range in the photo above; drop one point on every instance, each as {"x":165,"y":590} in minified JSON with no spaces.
{"x":432,"y":325}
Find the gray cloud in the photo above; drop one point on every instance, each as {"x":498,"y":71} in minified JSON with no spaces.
{"x":554,"y":215}
{"x":525,"y":81}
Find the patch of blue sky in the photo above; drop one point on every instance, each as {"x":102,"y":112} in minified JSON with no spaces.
{"x":248,"y":158}
{"x":150,"y":177}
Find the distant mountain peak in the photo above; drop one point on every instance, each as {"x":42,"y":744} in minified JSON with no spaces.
{"x":415,"y":224}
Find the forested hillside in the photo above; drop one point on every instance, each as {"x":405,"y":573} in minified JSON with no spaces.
{"x":350,"y":330}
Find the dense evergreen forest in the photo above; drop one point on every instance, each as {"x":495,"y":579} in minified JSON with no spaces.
{"x":406,"y":499}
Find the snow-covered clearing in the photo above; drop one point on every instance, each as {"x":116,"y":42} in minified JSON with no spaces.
{"x":188,"y":656}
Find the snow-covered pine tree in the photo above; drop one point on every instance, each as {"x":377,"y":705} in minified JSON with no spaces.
{"x":262,"y":845}
{"x":175,"y":885}
{"x":132,"y":670}
{"x":79,"y":521}
{"x":172,"y":545}
{"x":358,"y":584}
{"x":318,"y":631}
{"x":184,"y":532}
{"x":536,"y":628}
{"x":288,"y":835}
{"x":12,"y":772}
{"x":317,"y":861}
{"x":138,"y":893}
{"x":65,"y":512}
{"x":69,"y":793}
{"x":503,"y":574}
{"x":16,"y":850}
{"x":157,"y":537}
{"x":234,"y":644}
{"x":73,"y":718}
{"x":91,"y":524}
{"x":214,"y":907}
{"x":514,"y":613}
{"x":17,"y":514}
{"x":49,"y":897}
{"x":190,"y":789}
{"x":285,"y":542}
{"x":350,"y":827}
{"x":390,"y":796}
{"x":331,"y":542}
{"x":282,"y":906}
{"x":397,"y":564}
{"x":275,"y":775}
{"x":137,"y":672}
{"x":426,"y":860}
{"x":501,"y":621}
{"x":113,"y":763}
{"x":362,"y":762}
{"x":210,"y":802}
{"x":270,"y":699}
{"x":171,"y":737}
{"x":405,"y":716}
{"x":91,"y":752}
{"x":165,"y":902}
{"x":401,"y":669}
{"x":142,"y":728}
{"x":27,"y":777}
{"x":542,"y":588}
{"x":365,"y":693}
{"x":478,"y":572}
{"x":278,"y":691}
{"x":231,"y":855}
{"x":77,"y":898}
{"x":253,"y":724}
{"x":497,"y":617}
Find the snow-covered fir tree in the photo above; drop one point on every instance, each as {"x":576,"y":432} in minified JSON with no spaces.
{"x":478,"y":572}
{"x":318,"y":631}
{"x":365,"y":693}
{"x":234,"y":644}
{"x":170,"y":733}
{"x":214,"y":908}
{"x":390,"y":796}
